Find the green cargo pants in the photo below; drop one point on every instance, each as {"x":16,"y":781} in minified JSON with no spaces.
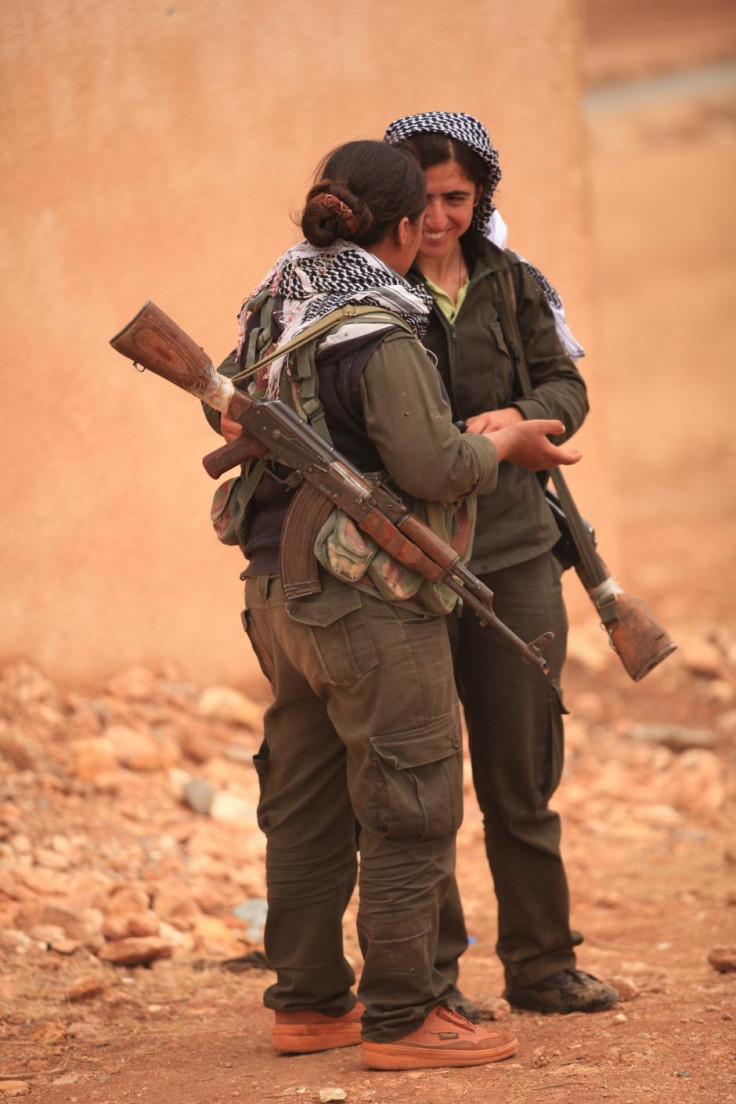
{"x":513,"y":714}
{"x":364,"y":727}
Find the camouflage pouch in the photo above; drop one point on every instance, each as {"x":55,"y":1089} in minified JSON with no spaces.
{"x":224,"y":511}
{"x":343,"y":549}
{"x":352,"y":556}
{"x":229,"y":509}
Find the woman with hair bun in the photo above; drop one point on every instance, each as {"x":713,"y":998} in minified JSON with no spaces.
{"x":364,"y":724}
{"x":492,"y":312}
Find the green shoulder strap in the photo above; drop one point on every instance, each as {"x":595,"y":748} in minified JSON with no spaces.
{"x":309,"y":407}
{"x":316,"y":330}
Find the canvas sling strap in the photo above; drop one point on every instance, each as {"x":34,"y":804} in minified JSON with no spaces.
{"x":590,"y":561}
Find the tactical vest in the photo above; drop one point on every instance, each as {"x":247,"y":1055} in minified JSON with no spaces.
{"x":341,"y":547}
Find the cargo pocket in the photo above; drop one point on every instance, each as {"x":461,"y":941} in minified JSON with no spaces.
{"x":549,"y":769}
{"x":341,"y":643}
{"x":419,"y":786}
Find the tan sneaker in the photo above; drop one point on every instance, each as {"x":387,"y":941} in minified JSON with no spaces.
{"x":444,"y":1039}
{"x":305,"y":1032}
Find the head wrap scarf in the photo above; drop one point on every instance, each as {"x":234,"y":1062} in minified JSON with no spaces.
{"x":314,"y":281}
{"x":486,"y":218}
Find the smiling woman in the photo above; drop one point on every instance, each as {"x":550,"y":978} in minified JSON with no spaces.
{"x":491,"y":310}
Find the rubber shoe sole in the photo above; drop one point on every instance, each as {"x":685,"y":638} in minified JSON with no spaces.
{"x":318,"y":1033}
{"x":394,"y":1056}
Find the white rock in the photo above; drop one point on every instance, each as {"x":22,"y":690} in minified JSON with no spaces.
{"x":228,"y":806}
{"x":223,"y":703}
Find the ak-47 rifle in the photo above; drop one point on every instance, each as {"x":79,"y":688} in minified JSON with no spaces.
{"x":153,"y":341}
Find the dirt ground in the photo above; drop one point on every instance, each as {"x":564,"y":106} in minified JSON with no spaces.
{"x":100,"y":843}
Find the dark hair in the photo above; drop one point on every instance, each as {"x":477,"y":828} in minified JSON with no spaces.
{"x":362,"y":191}
{"x":435,"y":149}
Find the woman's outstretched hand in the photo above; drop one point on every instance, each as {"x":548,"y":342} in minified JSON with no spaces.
{"x":527,"y":444}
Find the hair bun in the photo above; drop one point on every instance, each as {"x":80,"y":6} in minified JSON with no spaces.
{"x":333,"y":212}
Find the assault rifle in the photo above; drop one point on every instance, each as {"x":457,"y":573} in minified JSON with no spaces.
{"x":326,"y":479}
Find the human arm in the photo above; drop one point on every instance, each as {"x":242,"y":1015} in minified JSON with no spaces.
{"x":409,"y":422}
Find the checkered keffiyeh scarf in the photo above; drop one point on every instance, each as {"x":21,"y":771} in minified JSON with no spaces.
{"x":471,"y":132}
{"x":315,"y":281}
{"x":460,"y":128}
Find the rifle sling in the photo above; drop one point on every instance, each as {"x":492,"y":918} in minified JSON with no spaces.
{"x":313,"y":331}
{"x":595,"y":570}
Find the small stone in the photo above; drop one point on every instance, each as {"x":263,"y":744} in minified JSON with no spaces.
{"x":196,"y":745}
{"x":727,"y":722}
{"x":697,"y":781}
{"x":177,"y":907}
{"x":213,"y":937}
{"x":55,"y":938}
{"x":326,"y":1095}
{"x":702,"y":657}
{"x":135,"y":683}
{"x":135,"y":952}
{"x":85,"y":988}
{"x":674,"y":737}
{"x":222,"y":703}
{"x":14,"y":1088}
{"x":660,"y":816}
{"x":723,"y":959}
{"x":94,"y":758}
{"x":82,"y":1030}
{"x":20,"y":750}
{"x":253,"y":913}
{"x":46,"y":883}
{"x":620,"y":1018}
{"x":627,"y":989}
{"x":199,"y":795}
{"x":126,"y":899}
{"x":230,"y":807}
{"x":493,"y":1008}
{"x":136,"y":750}
{"x":83,"y":925}
{"x":46,"y":856}
{"x":131,"y":925}
{"x":540,"y":1058}
{"x":610,"y":899}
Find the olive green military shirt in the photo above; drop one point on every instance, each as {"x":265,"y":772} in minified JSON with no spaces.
{"x":477,"y":367}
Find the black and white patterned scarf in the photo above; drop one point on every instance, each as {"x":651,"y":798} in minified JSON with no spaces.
{"x":315,"y":281}
{"x":471,"y":132}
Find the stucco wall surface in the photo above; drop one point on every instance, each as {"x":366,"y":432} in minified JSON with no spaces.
{"x":159,"y":150}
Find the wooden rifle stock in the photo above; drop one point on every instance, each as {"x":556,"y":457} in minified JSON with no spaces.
{"x":636,"y":636}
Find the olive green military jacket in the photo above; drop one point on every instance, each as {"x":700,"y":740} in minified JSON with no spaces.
{"x":475,"y":362}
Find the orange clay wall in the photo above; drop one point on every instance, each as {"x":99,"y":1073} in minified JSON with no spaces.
{"x":160,"y":150}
